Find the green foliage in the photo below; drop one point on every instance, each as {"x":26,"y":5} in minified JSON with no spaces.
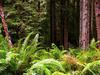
{"x":8,"y":62}
{"x":3,"y":43}
{"x":91,"y":54}
{"x":17,"y":59}
{"x":46,"y":67}
{"x":93,"y":44}
{"x":56,"y":52}
{"x":92,"y":68}
{"x":59,"y":73}
{"x":27,"y":48}
{"x":23,"y":17}
{"x":31,"y":59}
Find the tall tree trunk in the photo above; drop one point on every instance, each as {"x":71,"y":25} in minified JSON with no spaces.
{"x":97,"y":15}
{"x":53,"y":20}
{"x":64,"y":32}
{"x":77,"y":17}
{"x":84,"y":23}
{"x":5,"y":25}
{"x":92,"y":19}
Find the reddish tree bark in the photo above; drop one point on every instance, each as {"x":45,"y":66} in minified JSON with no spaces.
{"x":53,"y":20}
{"x":92,"y":19}
{"x":5,"y":25}
{"x":84,"y":23}
{"x":97,"y":15}
{"x":64,"y":31}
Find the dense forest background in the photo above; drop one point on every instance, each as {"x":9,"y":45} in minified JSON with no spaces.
{"x":57,"y":21}
{"x":23,"y":17}
{"x":49,"y":37}
{"x":48,"y":18}
{"x":70,"y":23}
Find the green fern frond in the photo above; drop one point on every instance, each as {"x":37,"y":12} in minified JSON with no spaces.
{"x":24,"y":45}
{"x":59,"y":73}
{"x":93,"y":44}
{"x":92,"y":68}
{"x":47,"y":66}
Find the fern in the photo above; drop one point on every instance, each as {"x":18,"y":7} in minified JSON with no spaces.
{"x":56,"y":52}
{"x":92,"y":68}
{"x":93,"y":44}
{"x":59,"y":73}
{"x":3,"y":43}
{"x":46,"y":66}
{"x":28,"y":49}
{"x":24,"y":45}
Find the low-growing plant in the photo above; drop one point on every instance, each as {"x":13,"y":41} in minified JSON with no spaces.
{"x":45,"y":67}
{"x":59,"y":73}
{"x":16,"y":60}
{"x":28,"y":58}
{"x":92,"y":68}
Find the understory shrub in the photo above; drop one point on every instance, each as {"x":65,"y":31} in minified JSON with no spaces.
{"x":29,"y":58}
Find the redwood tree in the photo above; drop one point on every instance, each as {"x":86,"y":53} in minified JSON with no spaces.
{"x":92,"y":19}
{"x":84,"y":23}
{"x":5,"y":25}
{"x":97,"y":15}
{"x":64,"y":26}
{"x":53,"y":20}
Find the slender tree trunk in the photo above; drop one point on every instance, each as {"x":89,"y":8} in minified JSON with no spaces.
{"x":84,"y":24}
{"x":53,"y":20}
{"x":62,"y":16}
{"x":5,"y":25}
{"x":64,"y":32}
{"x":78,"y":24}
{"x":97,"y":15}
{"x":92,"y":15}
{"x":65,"y":26}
